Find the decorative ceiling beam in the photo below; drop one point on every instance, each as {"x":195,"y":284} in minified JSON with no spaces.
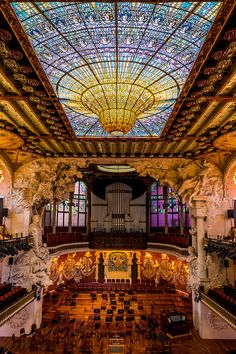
{"x":23,"y":39}
{"x":223,"y":15}
{"x":17,"y":98}
{"x":208,"y":98}
{"x":110,"y":1}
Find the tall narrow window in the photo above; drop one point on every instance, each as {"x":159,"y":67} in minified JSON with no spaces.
{"x":63,"y":213}
{"x":157,"y":205}
{"x":48,"y":215}
{"x":79,"y":204}
{"x":157,"y":211}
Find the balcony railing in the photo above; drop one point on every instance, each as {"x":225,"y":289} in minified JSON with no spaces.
{"x":64,"y":238}
{"x":10,"y":311}
{"x":221,"y":247}
{"x":219,"y":310}
{"x":178,"y":240}
{"x":118,"y":240}
{"x":161,"y":247}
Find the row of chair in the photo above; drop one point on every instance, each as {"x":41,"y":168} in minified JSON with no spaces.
{"x":11,"y":296}
{"x":230,"y":291}
{"x":124,"y":285}
{"x":226,"y":301}
{"x":4,"y":288}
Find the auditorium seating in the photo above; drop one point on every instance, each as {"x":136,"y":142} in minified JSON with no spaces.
{"x":147,"y":286}
{"x":9,"y":294}
{"x":225,"y":297}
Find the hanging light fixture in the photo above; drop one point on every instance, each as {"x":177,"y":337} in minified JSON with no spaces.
{"x":118,"y":104}
{"x":1,"y":176}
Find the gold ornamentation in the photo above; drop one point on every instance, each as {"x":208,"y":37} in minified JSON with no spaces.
{"x":10,"y":140}
{"x":1,"y":176}
{"x":226,"y":141}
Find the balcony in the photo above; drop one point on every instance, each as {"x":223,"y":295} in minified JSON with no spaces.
{"x":219,"y":310}
{"x":64,"y":238}
{"x":118,"y":240}
{"x":18,"y":305}
{"x":11,"y":246}
{"x":223,"y":248}
{"x":175,"y":239}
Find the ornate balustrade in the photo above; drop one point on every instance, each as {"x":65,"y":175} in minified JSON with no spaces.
{"x":10,"y":311}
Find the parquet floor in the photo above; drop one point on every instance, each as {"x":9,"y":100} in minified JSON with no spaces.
{"x":75,"y":331}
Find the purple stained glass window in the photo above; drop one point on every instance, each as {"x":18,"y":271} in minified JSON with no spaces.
{"x":157,"y":210}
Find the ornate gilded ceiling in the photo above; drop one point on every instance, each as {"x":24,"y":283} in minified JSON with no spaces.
{"x":44,"y":112}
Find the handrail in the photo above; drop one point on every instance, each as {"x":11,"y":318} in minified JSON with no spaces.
{"x":67,"y":247}
{"x":10,"y":311}
{"x":179,"y":251}
{"x":223,"y":313}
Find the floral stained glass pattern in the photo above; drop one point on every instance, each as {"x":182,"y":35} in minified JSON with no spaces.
{"x":126,"y":61}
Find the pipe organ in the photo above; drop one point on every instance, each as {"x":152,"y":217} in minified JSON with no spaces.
{"x":118,"y":212}
{"x":118,"y":196}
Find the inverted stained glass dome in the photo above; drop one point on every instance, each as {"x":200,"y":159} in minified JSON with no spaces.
{"x":117,"y":67}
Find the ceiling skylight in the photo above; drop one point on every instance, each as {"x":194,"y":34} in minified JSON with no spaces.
{"x":117,"y":68}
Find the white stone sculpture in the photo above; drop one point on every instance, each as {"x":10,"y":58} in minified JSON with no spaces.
{"x":193,"y":281}
{"x":45,"y":180}
{"x":188,"y":178}
{"x":35,"y":231}
{"x":29,"y":269}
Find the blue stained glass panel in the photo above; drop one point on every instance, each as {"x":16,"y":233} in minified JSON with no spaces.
{"x":85,"y":47}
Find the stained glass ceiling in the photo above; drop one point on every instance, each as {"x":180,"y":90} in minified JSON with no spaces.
{"x":117,"y":68}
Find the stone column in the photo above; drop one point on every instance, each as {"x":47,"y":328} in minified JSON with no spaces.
{"x":130,"y":257}
{"x":105,"y":255}
{"x":200,"y":214}
{"x":138,"y":255}
{"x":97,"y":264}
{"x":193,"y":230}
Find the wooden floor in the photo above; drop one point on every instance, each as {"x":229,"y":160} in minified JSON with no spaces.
{"x":69,"y":327}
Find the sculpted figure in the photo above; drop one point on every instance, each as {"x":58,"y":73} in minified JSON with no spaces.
{"x":31,"y":268}
{"x":193,"y":281}
{"x":36,"y":232}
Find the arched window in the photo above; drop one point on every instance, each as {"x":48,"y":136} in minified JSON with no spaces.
{"x":162,"y":199}
{"x":78,"y":202}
